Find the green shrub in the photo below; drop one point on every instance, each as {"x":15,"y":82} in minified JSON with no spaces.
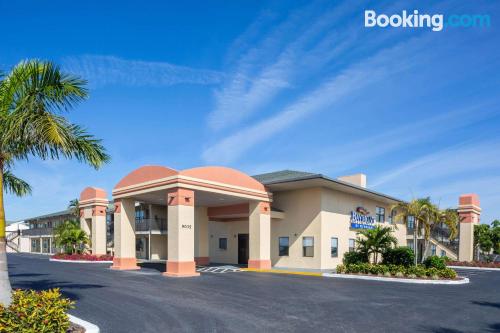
{"x":395,"y":269}
{"x":418,"y":271}
{"x":447,"y":273}
{"x":446,"y":259}
{"x":36,"y":312}
{"x":354,"y":258}
{"x":435,"y":261}
{"x":402,"y":255}
{"x":432,"y":272}
{"x":340,"y":269}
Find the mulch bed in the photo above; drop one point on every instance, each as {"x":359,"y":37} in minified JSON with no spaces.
{"x":474,"y":264}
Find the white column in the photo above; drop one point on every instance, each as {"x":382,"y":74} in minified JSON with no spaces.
{"x":124,"y":235}
{"x":201,"y":246}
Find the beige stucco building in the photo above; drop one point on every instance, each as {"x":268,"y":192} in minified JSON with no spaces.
{"x":283,"y":219}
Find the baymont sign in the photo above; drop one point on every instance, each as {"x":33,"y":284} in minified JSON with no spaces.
{"x":360,"y":221}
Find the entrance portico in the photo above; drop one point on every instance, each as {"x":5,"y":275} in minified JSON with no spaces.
{"x":191,"y":197}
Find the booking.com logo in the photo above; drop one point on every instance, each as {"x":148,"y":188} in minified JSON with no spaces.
{"x":437,"y":22}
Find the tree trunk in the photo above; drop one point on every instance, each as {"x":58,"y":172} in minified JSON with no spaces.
{"x":5,"y":288}
{"x":415,"y":241}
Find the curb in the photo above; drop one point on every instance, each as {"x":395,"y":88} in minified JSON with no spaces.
{"x":476,"y":268}
{"x":89,"y":327}
{"x":82,"y":261}
{"x":277,"y":271}
{"x":400,"y":280}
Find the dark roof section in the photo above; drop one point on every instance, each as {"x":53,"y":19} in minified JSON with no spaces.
{"x":286,"y":176}
{"x":281,"y":176}
{"x":56,"y":214}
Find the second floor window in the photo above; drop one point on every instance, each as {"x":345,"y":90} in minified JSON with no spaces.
{"x":380,"y":214}
{"x":410,"y":222}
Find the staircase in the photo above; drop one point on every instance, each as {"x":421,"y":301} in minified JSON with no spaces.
{"x":11,"y":237}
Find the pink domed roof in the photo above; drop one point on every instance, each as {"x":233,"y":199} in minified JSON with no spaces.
{"x":224,"y":175}
{"x":93,"y":193}
{"x":145,"y":174}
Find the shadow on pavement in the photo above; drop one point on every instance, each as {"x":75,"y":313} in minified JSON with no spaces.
{"x":490,"y":304}
{"x":45,"y":284}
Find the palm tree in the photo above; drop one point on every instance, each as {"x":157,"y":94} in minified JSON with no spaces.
{"x":70,"y":237}
{"x":376,"y":241}
{"x":33,"y":97}
{"x":416,"y":209}
{"x":74,"y":206}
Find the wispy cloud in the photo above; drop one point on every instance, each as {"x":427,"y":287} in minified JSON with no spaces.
{"x":445,"y":174}
{"x":376,"y":68}
{"x":102,"y":70}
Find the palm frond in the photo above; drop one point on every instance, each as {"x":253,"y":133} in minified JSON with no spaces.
{"x":15,"y":185}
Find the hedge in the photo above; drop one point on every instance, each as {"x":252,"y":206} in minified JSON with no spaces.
{"x":419,"y":271}
{"x":36,"y":312}
{"x":402,"y":255}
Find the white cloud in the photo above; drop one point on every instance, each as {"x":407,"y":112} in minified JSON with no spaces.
{"x":351,"y":80}
{"x":102,"y":70}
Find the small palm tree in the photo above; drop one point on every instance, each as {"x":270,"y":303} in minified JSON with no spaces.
{"x":417,"y":209}
{"x":376,"y":241}
{"x":70,"y":237}
{"x":33,"y":97}
{"x":74,"y":206}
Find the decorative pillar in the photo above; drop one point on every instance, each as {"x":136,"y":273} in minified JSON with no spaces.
{"x":93,"y":204}
{"x":124,"y":235}
{"x":469,"y":210}
{"x":180,"y":262}
{"x":201,"y":236}
{"x":260,"y":235}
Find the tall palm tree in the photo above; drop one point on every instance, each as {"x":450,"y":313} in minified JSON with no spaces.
{"x":70,"y":237}
{"x":376,"y":241}
{"x":74,"y":206}
{"x":416,"y":209}
{"x":33,"y":99}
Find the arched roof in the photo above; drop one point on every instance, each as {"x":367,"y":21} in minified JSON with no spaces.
{"x":145,"y":174}
{"x":224,"y":175}
{"x":93,"y":193}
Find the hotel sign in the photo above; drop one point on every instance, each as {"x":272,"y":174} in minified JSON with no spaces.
{"x":361,"y":220}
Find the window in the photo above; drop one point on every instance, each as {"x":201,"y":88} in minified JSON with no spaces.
{"x":308,"y":246}
{"x":283,"y":246}
{"x":223,"y":243}
{"x":352,"y":244}
{"x":433,"y":249}
{"x":410,"y":222}
{"x":392,"y":217}
{"x":410,"y":244}
{"x":443,"y":253}
{"x":334,"y":247}
{"x":380,"y":214}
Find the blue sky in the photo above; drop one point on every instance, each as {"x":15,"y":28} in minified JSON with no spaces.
{"x":264,"y":86}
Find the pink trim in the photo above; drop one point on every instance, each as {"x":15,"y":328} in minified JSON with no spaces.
{"x":202,"y":261}
{"x":181,"y":269}
{"x":224,"y":175}
{"x":118,"y":206}
{"x":90,"y":193}
{"x":265,"y":208}
{"x":180,"y":196}
{"x":259,"y":264}
{"x":124,"y":264}
{"x":145,"y":174}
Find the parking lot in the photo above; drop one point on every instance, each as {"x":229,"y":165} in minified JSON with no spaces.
{"x":145,"y":301}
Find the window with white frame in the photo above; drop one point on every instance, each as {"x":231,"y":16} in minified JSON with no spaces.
{"x":352,"y":244}
{"x":334,"y":247}
{"x":433,"y":249}
{"x":284,"y":245}
{"x":223,"y":243}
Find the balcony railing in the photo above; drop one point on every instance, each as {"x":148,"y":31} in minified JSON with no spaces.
{"x":159,"y":224}
{"x":38,"y":232}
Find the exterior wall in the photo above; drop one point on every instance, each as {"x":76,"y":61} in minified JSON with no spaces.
{"x":229,"y":230}
{"x":335,"y":222}
{"x":302,"y":219}
{"x":159,"y":246}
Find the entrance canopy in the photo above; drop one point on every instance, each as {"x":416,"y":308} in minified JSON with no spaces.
{"x":214,"y":186}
